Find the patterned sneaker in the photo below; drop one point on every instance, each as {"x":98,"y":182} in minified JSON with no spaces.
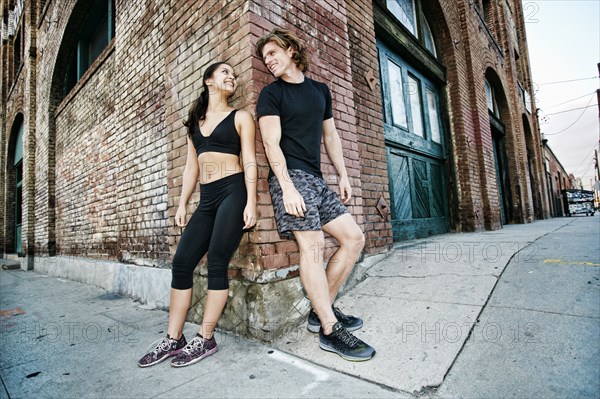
{"x":197,"y":349}
{"x":346,"y":345}
{"x":350,"y":323}
{"x":167,"y":347}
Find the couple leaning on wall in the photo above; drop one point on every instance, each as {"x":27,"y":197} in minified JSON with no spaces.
{"x":295,"y":115}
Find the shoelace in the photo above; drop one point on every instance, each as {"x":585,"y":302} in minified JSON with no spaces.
{"x":347,"y":338}
{"x":339,"y":315}
{"x":163,"y":344}
{"x":194,"y":345}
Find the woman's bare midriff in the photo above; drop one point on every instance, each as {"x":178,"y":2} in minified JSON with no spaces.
{"x":216,"y":165}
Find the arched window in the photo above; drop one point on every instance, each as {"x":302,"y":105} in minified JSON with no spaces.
{"x":96,"y":32}
{"x":409,"y":14}
{"x":490,"y":96}
{"x":428,"y":38}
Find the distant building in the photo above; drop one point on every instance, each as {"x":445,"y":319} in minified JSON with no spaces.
{"x":432,"y":100}
{"x":558,"y":179}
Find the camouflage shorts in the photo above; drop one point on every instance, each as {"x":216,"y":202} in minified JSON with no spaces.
{"x":322,"y":204}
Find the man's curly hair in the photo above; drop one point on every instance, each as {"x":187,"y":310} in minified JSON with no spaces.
{"x":285,"y":39}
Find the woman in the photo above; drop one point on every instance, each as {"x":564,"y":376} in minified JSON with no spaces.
{"x":220,"y":147}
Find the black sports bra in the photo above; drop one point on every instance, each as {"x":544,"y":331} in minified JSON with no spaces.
{"x":224,"y":138}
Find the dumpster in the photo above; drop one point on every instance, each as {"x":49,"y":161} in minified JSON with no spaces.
{"x":578,"y":202}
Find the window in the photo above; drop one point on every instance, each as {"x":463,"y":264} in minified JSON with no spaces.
{"x":397,"y":95}
{"x":13,"y":33}
{"x":405,"y":12}
{"x":434,"y":119}
{"x":97,"y":31}
{"x":18,"y":54}
{"x":428,"y":38}
{"x":487,"y":12}
{"x":414,"y":93}
{"x":411,"y":104}
{"x":490,"y":96}
{"x":409,"y":14}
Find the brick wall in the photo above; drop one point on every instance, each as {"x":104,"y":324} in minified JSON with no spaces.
{"x":109,"y":156}
{"x":369,"y":125}
{"x":323,"y":26}
{"x":198,"y":34}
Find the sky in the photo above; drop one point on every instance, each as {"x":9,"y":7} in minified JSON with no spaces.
{"x":564,"y":45}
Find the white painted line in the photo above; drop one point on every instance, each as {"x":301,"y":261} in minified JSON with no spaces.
{"x":319,"y":375}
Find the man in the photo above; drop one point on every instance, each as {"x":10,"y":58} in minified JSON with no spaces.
{"x":294,"y":113}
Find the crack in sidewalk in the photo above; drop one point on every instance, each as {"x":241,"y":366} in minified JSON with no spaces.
{"x":435,"y":388}
{"x":436,"y":275}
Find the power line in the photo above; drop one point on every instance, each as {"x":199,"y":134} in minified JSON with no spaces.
{"x":566,"y":81}
{"x":568,"y":101}
{"x":576,"y":120}
{"x":583,"y":162}
{"x":586,"y":172}
{"x":569,"y":110}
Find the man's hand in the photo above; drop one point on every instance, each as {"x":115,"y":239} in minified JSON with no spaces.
{"x":293,"y":202}
{"x":345,"y":189}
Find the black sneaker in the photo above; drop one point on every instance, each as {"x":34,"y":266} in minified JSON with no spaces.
{"x":350,"y":323}
{"x":346,"y":345}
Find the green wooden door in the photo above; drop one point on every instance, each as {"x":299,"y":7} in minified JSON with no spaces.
{"x":415,"y":149}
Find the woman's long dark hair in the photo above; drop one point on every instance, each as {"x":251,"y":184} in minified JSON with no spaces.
{"x":197,"y":111}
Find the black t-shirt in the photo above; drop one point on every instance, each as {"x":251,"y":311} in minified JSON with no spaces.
{"x":302,"y":108}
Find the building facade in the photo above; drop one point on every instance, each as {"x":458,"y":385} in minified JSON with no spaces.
{"x":431,"y":99}
{"x":557,"y":180}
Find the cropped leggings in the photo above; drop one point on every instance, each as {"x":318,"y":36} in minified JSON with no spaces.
{"x":215,"y":227}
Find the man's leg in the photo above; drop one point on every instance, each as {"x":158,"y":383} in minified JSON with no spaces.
{"x":352,"y":241}
{"x":313,"y":276}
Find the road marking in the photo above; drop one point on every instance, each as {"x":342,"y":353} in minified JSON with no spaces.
{"x":319,"y":375}
{"x":566,"y":262}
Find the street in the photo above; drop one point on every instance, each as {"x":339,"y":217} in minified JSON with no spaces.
{"x":507,"y":313}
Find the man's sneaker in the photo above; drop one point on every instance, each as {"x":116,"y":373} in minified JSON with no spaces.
{"x":350,"y":323}
{"x":167,"y":347}
{"x":197,"y":349}
{"x":346,"y":345}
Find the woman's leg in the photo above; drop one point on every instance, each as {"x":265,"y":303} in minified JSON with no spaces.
{"x":215,"y":303}
{"x":192,"y":246}
{"x":226,"y":236}
{"x":178,"y":308}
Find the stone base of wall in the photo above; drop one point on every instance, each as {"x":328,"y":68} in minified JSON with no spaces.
{"x":147,"y":285}
{"x":264,"y":311}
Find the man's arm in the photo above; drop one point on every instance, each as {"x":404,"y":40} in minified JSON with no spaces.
{"x":333,"y":146}
{"x":270,"y":128}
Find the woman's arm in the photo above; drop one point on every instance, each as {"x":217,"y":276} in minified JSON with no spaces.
{"x":247,"y":136}
{"x":190,"y":177}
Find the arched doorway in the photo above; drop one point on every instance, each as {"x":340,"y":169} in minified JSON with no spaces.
{"x":412,"y":84}
{"x":534,"y":182}
{"x":89,"y":31}
{"x":498,"y":113}
{"x":14,"y":189}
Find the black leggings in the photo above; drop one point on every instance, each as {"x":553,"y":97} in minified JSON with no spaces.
{"x":215,"y":227}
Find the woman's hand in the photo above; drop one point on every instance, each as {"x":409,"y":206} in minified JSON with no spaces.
{"x":180,"y":216}
{"x":249,"y":216}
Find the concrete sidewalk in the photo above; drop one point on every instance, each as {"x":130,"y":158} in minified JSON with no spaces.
{"x":422,"y":304}
{"x":436,"y":310}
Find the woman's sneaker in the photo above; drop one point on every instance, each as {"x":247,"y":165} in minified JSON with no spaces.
{"x":197,"y":349}
{"x":350,"y":323}
{"x":346,"y":345}
{"x":167,"y":347}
